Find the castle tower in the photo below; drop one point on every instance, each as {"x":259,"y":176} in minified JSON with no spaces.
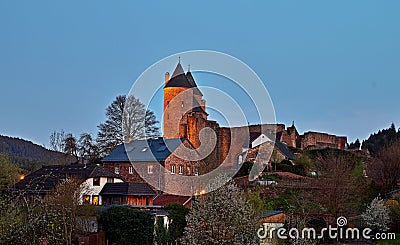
{"x":182,"y":98}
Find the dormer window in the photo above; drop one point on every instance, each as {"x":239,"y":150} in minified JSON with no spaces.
{"x":96,"y":181}
{"x":150,"y":169}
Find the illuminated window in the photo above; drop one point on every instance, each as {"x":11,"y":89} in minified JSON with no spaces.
{"x":96,"y":181}
{"x":173,"y":169}
{"x":95,"y":200}
{"x":130,"y":170}
{"x":150,"y":169}
{"x":117,"y":170}
{"x":180,"y":169}
{"x":86,"y":199}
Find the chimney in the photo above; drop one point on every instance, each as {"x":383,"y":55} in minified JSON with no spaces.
{"x":128,"y":139}
{"x":166,"y":77}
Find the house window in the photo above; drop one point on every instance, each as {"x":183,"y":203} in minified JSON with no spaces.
{"x":95,"y":200}
{"x":110,"y":180}
{"x":96,"y":181}
{"x":172,"y":169}
{"x":150,"y":169}
{"x":180,"y":169}
{"x":130,"y":169}
{"x":240,"y":159}
{"x":86,"y":199}
{"x":196,"y":171}
{"x":117,"y":170}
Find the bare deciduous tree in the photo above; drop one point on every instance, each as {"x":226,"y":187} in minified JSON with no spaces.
{"x":126,"y":118}
{"x":337,"y":188}
{"x":385,"y":168}
{"x":57,"y":141}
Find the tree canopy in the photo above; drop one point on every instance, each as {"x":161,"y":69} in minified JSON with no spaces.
{"x":223,"y":216}
{"x":124,"y":226}
{"x":127,"y":118}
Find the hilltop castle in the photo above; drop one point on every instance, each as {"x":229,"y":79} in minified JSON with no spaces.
{"x":185,"y":116}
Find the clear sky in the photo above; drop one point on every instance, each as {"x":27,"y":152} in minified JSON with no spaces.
{"x":331,"y":66}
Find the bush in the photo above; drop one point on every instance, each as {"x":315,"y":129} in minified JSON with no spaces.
{"x":244,"y":169}
{"x":124,"y":225}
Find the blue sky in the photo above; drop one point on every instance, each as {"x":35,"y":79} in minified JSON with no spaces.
{"x":330,"y":66}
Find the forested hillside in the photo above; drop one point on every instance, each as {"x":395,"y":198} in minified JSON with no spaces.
{"x":29,"y":155}
{"x":382,"y":138}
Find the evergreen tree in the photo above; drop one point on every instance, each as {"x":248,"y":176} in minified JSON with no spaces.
{"x":382,"y":139}
{"x":124,"y":225}
{"x":355,"y":145}
{"x":176,"y":213}
{"x":87,"y":147}
{"x":9,"y":172}
{"x":70,"y":145}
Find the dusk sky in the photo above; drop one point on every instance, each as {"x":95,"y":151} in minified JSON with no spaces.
{"x":331,"y":66}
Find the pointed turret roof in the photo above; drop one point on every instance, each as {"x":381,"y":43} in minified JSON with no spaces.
{"x":193,"y":84}
{"x":178,"y":70}
{"x":180,"y":79}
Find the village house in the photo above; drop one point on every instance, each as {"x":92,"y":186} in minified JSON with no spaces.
{"x":92,"y":177}
{"x":127,"y":193}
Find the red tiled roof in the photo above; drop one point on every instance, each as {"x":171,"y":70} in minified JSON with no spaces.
{"x":165,"y":199}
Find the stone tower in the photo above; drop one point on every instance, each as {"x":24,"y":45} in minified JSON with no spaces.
{"x":182,"y":101}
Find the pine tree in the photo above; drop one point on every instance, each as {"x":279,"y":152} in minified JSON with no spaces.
{"x":70,"y":145}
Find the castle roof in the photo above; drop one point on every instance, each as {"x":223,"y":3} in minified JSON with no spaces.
{"x":180,"y":79}
{"x":193,"y":84}
{"x":150,"y":150}
{"x":199,"y":109}
{"x":178,"y":70}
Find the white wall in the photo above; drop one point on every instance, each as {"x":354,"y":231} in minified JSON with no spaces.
{"x":261,"y":139}
{"x":88,"y":188}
